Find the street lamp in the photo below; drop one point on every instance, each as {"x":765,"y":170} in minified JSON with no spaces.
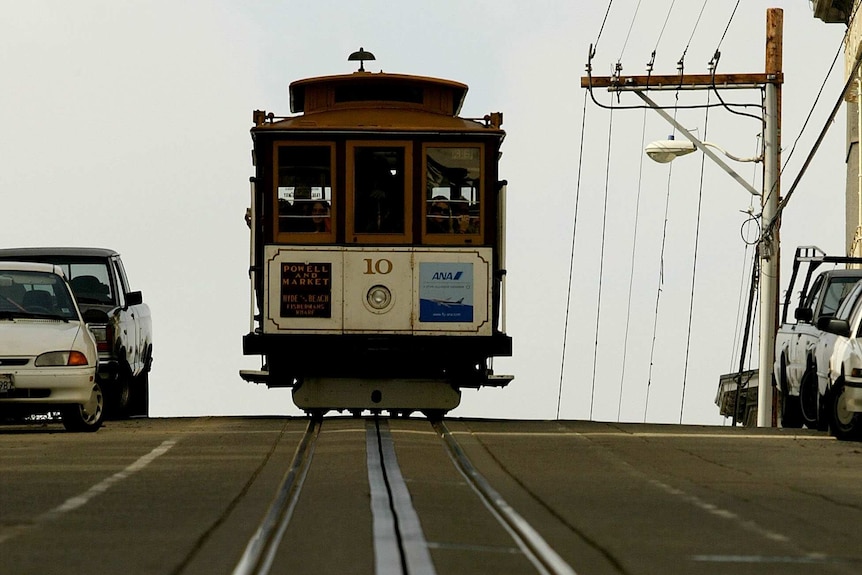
{"x":769,"y":249}
{"x":664,"y":151}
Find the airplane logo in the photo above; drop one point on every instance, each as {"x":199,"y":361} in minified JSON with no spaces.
{"x":447,"y":302}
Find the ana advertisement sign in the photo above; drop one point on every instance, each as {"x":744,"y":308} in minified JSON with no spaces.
{"x":445,"y":292}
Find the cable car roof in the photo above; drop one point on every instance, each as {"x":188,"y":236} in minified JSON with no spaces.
{"x":366,"y":101}
{"x":367,"y":89}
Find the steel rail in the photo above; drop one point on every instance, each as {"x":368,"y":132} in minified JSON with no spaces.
{"x":528,"y":539}
{"x":260,"y":551}
{"x":399,"y":542}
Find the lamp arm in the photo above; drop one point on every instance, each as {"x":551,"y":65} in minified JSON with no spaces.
{"x":731,"y":156}
{"x":700,"y":145}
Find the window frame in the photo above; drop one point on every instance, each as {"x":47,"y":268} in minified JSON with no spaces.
{"x":280,"y":237}
{"x":453,"y":238}
{"x":351,"y":234}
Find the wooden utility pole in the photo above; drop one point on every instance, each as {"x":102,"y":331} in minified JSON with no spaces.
{"x":769,"y":243}
{"x":770,"y":82}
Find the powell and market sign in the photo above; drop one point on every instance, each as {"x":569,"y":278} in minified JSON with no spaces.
{"x":306,"y":289}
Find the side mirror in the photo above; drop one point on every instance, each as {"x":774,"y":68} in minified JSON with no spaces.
{"x":837,"y":326}
{"x":95,"y":316}
{"x":804,"y":314}
{"x":134,"y":298}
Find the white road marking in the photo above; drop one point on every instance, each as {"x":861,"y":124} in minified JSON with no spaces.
{"x":746,"y":524}
{"x":650,"y":434}
{"x":712,"y":509}
{"x":805,"y":559}
{"x":80,"y":500}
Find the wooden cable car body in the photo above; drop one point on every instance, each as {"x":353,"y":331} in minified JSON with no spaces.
{"x":377,"y":245}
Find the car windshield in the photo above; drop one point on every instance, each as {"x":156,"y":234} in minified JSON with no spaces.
{"x":846,"y":307}
{"x":835,"y":294}
{"x":33,"y":294}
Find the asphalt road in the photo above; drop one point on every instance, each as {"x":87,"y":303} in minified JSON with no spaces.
{"x":188,"y":496}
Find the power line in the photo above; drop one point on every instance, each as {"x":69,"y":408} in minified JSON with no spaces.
{"x":604,"y":20}
{"x":629,"y":33}
{"x":660,"y":283}
{"x":664,"y":26}
{"x":814,"y":105}
{"x":602,"y":260}
{"x":632,"y":268}
{"x":694,"y":268}
{"x":769,"y":226}
{"x":696,"y":23}
{"x":572,"y":255}
{"x":680,"y":65}
{"x":726,"y":28}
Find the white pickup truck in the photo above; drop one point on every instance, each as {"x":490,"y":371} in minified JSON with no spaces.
{"x":795,"y":368}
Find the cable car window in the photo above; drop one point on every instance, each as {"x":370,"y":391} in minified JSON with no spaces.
{"x":304,"y":191}
{"x":378,"y":182}
{"x":453,"y":176}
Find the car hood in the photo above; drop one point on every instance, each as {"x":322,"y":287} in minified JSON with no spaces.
{"x":35,"y":336}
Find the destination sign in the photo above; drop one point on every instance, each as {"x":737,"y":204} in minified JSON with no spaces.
{"x":306,"y":289}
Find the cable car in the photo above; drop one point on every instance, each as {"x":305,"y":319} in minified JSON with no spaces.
{"x":377,"y":253}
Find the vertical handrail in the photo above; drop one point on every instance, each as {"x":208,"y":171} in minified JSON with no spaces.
{"x":501,"y":251}
{"x":252,"y":223}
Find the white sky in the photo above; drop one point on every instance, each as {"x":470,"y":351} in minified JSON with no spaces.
{"x":126,"y":125}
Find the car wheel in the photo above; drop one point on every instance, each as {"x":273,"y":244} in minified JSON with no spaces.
{"x":791,"y":410}
{"x":86,"y":417}
{"x":808,"y":393}
{"x":118,"y":395}
{"x":843,"y":423}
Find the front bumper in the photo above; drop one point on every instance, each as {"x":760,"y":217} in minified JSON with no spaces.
{"x":50,"y":386}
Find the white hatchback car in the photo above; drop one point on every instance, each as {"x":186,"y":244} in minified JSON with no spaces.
{"x":48,"y":356}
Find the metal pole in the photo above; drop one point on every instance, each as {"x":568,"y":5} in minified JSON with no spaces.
{"x":501,"y":239}
{"x":252,"y":224}
{"x":769,"y":246}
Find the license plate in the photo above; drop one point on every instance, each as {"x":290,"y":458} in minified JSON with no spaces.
{"x":7,"y":383}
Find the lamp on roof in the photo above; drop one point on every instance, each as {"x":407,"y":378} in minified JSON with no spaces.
{"x":361,"y":56}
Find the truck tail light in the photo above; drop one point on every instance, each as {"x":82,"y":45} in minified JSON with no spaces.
{"x":103,"y":335}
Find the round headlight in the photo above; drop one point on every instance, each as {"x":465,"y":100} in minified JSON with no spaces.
{"x":379,"y":297}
